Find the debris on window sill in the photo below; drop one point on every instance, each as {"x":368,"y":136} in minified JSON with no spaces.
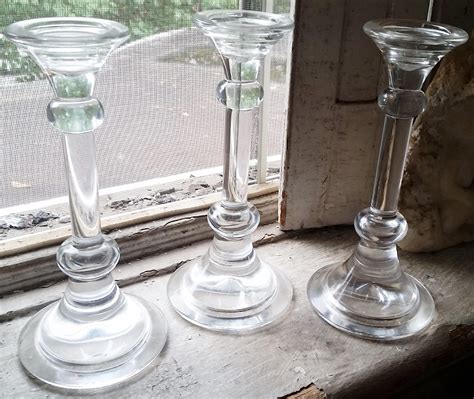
{"x":289,"y":358}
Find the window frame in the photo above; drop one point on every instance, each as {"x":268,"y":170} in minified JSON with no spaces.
{"x":310,"y":157}
{"x":28,"y":261}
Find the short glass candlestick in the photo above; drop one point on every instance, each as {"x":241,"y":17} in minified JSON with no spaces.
{"x":369,"y":295}
{"x":230,"y":289}
{"x":95,"y":336}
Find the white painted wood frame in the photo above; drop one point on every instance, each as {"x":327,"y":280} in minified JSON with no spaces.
{"x":333,"y":120}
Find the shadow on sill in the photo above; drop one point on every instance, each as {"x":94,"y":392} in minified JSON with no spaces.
{"x":454,"y":381}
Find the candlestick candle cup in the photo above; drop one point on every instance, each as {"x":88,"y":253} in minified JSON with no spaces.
{"x":230,"y":289}
{"x":369,"y":295}
{"x":95,"y":336}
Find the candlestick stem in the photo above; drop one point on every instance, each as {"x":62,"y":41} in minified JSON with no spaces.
{"x":95,"y":336}
{"x":230,"y":289}
{"x":369,"y":295}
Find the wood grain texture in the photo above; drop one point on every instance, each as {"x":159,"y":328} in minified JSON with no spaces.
{"x":301,"y":350}
{"x":27,"y":302}
{"x":30,"y":242}
{"x":334,"y":122}
{"x":359,"y":62}
{"x":311,"y":119}
{"x":309,"y":392}
{"x":37,"y":268}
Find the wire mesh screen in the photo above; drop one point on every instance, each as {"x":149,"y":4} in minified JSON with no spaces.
{"x":158,"y":91}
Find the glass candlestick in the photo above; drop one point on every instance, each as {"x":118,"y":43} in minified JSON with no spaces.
{"x":369,"y":295}
{"x":95,"y":336}
{"x":230,"y":289}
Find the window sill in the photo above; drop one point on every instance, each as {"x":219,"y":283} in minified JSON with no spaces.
{"x":300,"y":351}
{"x":29,"y":262}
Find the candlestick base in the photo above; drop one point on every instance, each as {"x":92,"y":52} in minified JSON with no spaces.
{"x":229,"y":289}
{"x":95,"y":336}
{"x":242,"y":298}
{"x":381,"y":308}
{"x":369,"y":295}
{"x":96,"y":350}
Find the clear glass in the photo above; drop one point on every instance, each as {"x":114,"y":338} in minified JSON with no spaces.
{"x":95,"y":336}
{"x":369,"y":295}
{"x":230,"y":289}
{"x":178,"y":118}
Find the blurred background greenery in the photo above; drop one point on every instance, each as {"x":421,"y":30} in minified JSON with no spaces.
{"x":143,"y":18}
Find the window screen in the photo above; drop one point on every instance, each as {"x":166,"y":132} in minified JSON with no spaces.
{"x":158,"y":91}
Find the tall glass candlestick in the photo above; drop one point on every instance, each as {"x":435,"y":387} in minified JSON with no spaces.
{"x":95,"y":336}
{"x":369,"y":295}
{"x":230,"y":289}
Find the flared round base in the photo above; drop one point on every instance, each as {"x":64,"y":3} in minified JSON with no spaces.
{"x":412,"y":322}
{"x":237,"y":307}
{"x":96,"y":354}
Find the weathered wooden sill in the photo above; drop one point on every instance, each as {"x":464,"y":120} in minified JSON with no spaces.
{"x":300,"y":351}
{"x":29,"y":262}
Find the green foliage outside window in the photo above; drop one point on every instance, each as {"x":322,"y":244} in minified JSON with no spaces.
{"x":143,"y":18}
